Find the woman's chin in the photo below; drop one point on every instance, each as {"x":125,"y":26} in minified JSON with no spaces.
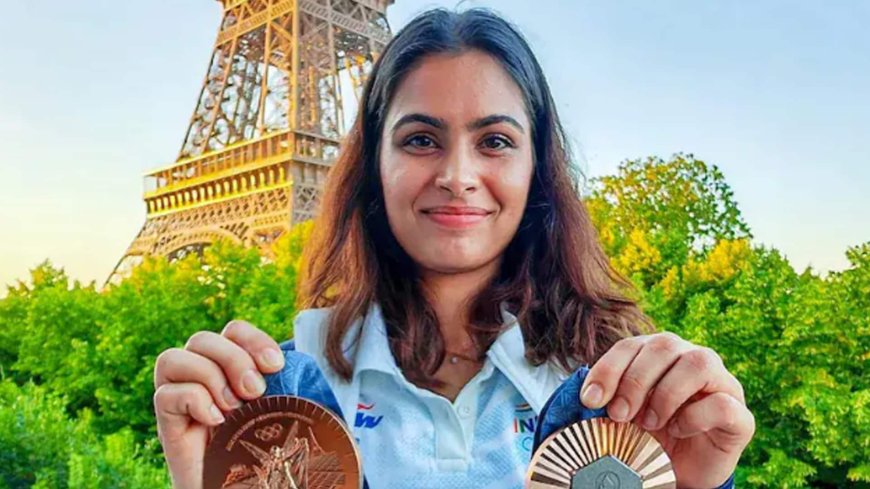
{"x":455,"y":265}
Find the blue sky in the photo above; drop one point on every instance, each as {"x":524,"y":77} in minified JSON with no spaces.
{"x":93,"y":93}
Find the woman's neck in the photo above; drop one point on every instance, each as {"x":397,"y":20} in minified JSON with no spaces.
{"x":450,"y":295}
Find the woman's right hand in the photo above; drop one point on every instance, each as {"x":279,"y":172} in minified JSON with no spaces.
{"x":194,"y":386}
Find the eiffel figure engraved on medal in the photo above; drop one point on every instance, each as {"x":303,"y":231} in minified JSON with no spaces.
{"x":298,"y":463}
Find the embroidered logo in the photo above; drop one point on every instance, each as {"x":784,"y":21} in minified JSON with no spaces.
{"x":525,"y":420}
{"x":364,"y":419}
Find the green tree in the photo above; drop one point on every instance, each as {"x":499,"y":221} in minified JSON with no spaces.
{"x":652,"y":213}
{"x":827,"y":337}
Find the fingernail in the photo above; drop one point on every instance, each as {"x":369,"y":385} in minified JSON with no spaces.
{"x":650,"y":420}
{"x":618,"y":409}
{"x":674,"y":429}
{"x":273,"y":358}
{"x":253,"y":383}
{"x":231,"y":398}
{"x":216,"y":414}
{"x":592,"y":395}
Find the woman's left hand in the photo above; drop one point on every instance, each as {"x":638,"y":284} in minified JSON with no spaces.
{"x":683,"y":395}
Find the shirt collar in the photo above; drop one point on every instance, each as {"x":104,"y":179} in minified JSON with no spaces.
{"x":372,"y":352}
{"x":507,"y":353}
{"x":310,"y":330}
{"x":374,"y":348}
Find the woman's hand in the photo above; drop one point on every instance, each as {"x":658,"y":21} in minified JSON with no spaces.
{"x":195,"y":385}
{"x":683,"y":395}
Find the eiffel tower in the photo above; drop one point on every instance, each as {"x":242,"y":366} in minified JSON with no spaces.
{"x":266,"y":126}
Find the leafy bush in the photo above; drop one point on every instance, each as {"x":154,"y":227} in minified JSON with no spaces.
{"x":40,"y":446}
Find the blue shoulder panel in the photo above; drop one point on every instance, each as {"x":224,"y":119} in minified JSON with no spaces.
{"x":301,"y":377}
{"x":564,"y":407}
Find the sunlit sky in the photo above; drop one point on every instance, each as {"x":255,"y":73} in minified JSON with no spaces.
{"x":777,"y":94}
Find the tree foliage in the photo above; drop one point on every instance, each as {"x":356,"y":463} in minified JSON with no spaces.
{"x":653,"y":213}
{"x":76,"y":363}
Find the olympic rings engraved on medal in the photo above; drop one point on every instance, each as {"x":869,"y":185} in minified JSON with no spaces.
{"x":269,"y":433}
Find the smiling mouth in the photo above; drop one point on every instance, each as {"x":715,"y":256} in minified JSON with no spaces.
{"x":457,"y":210}
{"x":456,"y":217}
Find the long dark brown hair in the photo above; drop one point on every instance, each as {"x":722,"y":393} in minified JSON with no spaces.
{"x":554,"y":275}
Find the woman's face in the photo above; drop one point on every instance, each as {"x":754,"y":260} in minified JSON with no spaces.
{"x":456,"y":162}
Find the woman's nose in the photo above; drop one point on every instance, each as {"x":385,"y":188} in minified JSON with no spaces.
{"x":458,"y":173}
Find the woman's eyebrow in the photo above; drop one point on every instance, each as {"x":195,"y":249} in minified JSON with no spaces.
{"x":417,"y":117}
{"x":439,"y":123}
{"x":493,"y":119}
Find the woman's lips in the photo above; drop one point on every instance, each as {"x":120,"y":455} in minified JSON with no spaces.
{"x":457,"y":217}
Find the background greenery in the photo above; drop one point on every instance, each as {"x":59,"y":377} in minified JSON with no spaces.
{"x":76,"y":363}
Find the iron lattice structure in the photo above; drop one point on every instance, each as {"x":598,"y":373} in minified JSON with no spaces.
{"x":266,"y":127}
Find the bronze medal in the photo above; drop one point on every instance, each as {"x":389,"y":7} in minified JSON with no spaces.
{"x":600,"y":453}
{"x":282,"y":442}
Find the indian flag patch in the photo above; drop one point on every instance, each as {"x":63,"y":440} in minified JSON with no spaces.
{"x":525,"y":419}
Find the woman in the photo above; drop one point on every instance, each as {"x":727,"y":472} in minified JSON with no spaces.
{"x":458,"y":280}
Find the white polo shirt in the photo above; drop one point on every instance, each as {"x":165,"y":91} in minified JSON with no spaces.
{"x":412,"y":437}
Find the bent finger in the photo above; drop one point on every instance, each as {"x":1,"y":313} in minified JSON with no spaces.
{"x":262,"y":347}
{"x":603,"y":378}
{"x":697,"y":371}
{"x":723,"y":417}
{"x":176,"y":365}
{"x":641,"y":377}
{"x":239,"y":368}
{"x":177,"y":404}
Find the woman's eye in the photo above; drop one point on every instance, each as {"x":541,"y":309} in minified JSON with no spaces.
{"x":497,"y":142}
{"x":420,"y":141}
